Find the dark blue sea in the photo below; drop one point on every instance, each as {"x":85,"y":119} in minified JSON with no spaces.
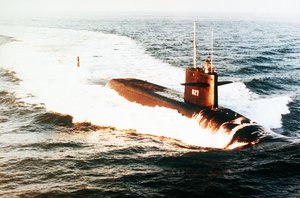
{"x":65,"y":133}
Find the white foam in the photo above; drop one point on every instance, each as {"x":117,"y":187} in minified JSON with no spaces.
{"x":265,"y":111}
{"x":45,"y":59}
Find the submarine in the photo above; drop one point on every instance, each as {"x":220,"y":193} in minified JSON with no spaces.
{"x":199,"y":100}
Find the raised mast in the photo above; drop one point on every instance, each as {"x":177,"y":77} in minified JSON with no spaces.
{"x":212,"y":47}
{"x":195,"y":46}
{"x":201,"y":84}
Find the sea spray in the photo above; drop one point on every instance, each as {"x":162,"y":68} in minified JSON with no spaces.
{"x":47,"y":67}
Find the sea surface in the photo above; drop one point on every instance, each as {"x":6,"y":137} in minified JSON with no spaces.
{"x":64,"y":133}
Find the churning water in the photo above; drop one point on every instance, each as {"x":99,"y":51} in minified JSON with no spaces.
{"x":63,"y":132}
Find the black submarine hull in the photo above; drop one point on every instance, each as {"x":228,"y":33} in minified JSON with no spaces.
{"x":214,"y":119}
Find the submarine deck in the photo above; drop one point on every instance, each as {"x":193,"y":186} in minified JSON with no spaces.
{"x":149,"y":94}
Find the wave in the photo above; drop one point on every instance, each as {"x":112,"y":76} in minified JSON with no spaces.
{"x":54,"y":145}
{"x":285,"y":50}
{"x":12,"y":105}
{"x":7,"y":98}
{"x":282,"y":164}
{"x":271,"y":85}
{"x":256,"y":69}
{"x":272,"y":52}
{"x":56,"y":119}
{"x":266,"y":111}
{"x":260,"y":60}
{"x":47,"y":67}
{"x":9,"y":75}
{"x":275,"y":169}
{"x":291,"y":121}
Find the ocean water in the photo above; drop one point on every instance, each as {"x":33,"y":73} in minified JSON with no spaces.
{"x":64,"y":133}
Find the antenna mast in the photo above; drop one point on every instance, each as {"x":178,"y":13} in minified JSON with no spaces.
{"x":195,"y":46}
{"x":212,"y":47}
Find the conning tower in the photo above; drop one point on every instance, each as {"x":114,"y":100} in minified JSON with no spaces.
{"x":201,"y":88}
{"x":201,"y":84}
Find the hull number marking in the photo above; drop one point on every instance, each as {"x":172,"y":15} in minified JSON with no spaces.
{"x":195,"y":92}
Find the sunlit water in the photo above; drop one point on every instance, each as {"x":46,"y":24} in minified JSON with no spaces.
{"x":114,"y":147}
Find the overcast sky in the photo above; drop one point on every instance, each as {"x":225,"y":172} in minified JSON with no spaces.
{"x":36,"y":8}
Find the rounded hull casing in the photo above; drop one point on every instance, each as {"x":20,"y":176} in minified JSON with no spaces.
{"x":213,"y":119}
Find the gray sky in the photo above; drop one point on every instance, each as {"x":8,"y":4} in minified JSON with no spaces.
{"x":36,"y":8}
